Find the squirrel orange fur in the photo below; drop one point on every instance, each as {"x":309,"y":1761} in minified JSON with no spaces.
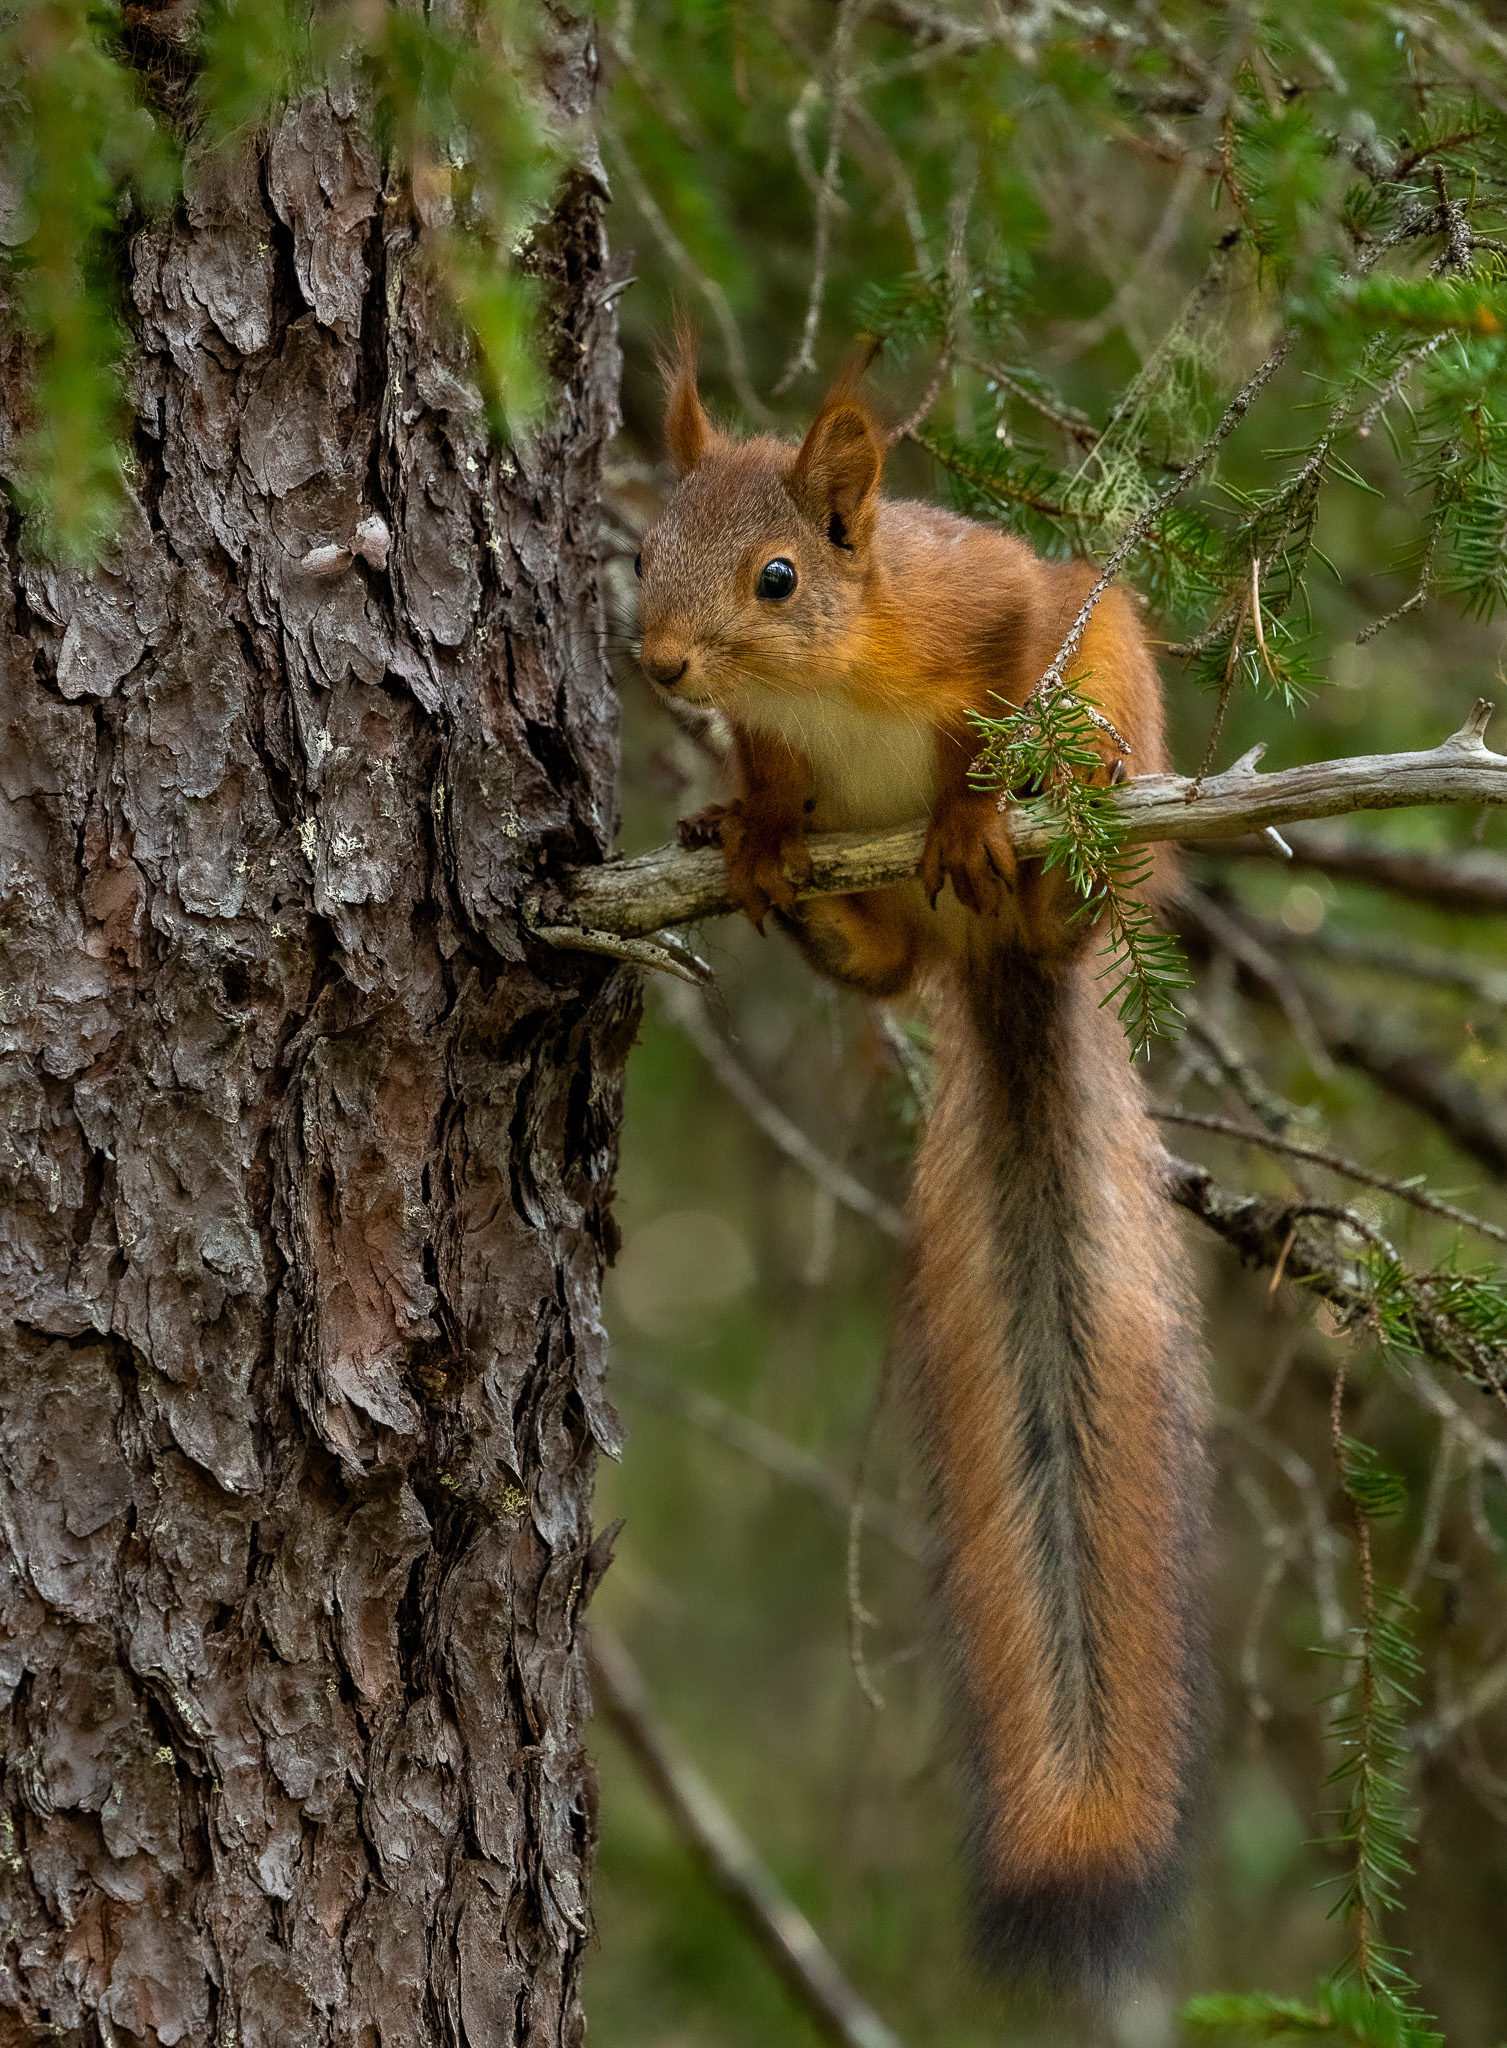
{"x":1052,"y":1356}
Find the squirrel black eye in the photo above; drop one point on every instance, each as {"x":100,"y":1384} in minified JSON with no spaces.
{"x":777,"y":579}
{"x":638,"y":565}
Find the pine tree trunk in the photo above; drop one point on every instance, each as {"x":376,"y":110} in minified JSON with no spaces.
{"x":307,"y":1150}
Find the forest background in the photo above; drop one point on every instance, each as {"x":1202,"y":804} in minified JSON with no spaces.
{"x":1216,"y":294}
{"x":1081,"y":230}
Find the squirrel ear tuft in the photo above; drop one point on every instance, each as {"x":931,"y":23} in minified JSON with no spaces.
{"x":689,"y":434}
{"x":837,"y":470}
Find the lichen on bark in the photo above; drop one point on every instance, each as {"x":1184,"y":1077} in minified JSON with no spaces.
{"x":307,"y":1150}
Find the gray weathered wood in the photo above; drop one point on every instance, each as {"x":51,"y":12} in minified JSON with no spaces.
{"x":634,"y":898}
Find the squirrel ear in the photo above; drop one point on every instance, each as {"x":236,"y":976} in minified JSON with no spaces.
{"x":689,"y":434}
{"x":837,"y":470}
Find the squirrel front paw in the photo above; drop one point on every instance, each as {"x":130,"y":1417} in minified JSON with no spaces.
{"x":702,"y":828}
{"x":967,"y":844}
{"x":766,"y":856}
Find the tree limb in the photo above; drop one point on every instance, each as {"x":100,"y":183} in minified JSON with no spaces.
{"x":1473,"y":880}
{"x":1349,"y":1037}
{"x":1425,"y":1082}
{"x":1268,"y":1231}
{"x":669,"y":886}
{"x":1351,"y":1169}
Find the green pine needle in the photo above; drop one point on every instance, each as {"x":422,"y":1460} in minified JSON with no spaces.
{"x":1052,"y":744}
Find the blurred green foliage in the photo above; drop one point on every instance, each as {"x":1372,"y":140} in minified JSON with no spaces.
{"x":91,"y":144}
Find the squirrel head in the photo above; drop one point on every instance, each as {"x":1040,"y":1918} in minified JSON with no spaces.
{"x":757,"y":572}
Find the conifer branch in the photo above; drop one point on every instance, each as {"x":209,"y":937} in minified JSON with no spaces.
{"x":1350,"y":1169}
{"x":669,"y":886}
{"x":1432,"y":1316}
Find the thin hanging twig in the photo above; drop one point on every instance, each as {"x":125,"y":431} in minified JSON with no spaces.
{"x":858,"y":1617}
{"x":691,"y":271}
{"x":839,"y":87}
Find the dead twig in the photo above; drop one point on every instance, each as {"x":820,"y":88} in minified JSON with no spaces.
{"x":1257,"y":1226}
{"x":1323,"y":1545}
{"x":858,"y":1616}
{"x":839,"y":87}
{"x":670,"y":886}
{"x":727,"y":1856}
{"x":1275,"y":1112}
{"x":1400,"y":1191}
{"x":681,"y":257}
{"x":1222,"y":929}
{"x":1474,"y":881}
{"x":776,"y":1453}
{"x":689,"y":1012}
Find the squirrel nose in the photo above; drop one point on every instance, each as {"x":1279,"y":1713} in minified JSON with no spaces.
{"x":662,"y":668}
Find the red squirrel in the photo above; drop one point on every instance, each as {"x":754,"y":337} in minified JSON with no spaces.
{"x":846,"y":639}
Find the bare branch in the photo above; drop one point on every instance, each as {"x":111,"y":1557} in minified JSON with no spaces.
{"x":1241,"y":943}
{"x":868,"y":132}
{"x":1217,"y":99}
{"x":1454,"y":55}
{"x":1281,"y":1542}
{"x":1275,"y":1112}
{"x":1483,"y":1447}
{"x":1400,"y":1191}
{"x":678,"y":254}
{"x":1417,"y":1077}
{"x":1267,"y":1232}
{"x":730,"y":1859}
{"x":840,"y":90}
{"x":1424,"y":1082}
{"x":910,"y":426}
{"x":1474,"y":881}
{"x":667,"y":954}
{"x":1432,"y":1520}
{"x":1322,"y":1541}
{"x":670,"y":886}
{"x":689,"y":1012}
{"x":1076,"y":425}
{"x":1482,"y":978}
{"x":1489,"y":1690}
{"x":859,"y":1617}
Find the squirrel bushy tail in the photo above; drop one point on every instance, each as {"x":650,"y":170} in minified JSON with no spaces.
{"x":1058,"y":1383}
{"x":854,"y":643}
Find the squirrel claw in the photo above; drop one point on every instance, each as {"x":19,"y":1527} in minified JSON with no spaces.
{"x":766,"y":858}
{"x":702,"y":828}
{"x":962,"y":847}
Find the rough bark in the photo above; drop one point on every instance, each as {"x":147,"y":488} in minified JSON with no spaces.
{"x":308,"y":1149}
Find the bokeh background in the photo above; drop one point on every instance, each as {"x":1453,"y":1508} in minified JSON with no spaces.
{"x":1049,"y":150}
